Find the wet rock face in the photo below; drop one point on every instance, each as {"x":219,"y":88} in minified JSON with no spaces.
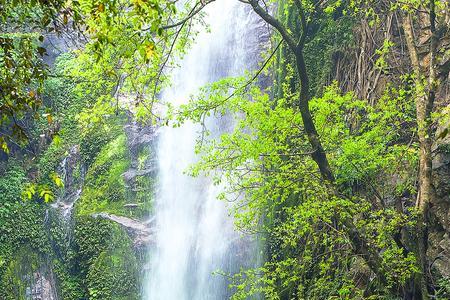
{"x":133,"y":173}
{"x":439,"y":251}
{"x":138,"y":136}
{"x":42,"y":289}
{"x":59,"y":43}
{"x":442,"y":185}
{"x":72,"y":172}
{"x":140,"y":231}
{"x":143,"y":168}
{"x":68,"y":166}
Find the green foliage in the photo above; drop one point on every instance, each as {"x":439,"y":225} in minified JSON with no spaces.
{"x":69,"y":284}
{"x":143,"y":194}
{"x":25,"y":13}
{"x":113,"y":275}
{"x":265,"y":160}
{"x":105,"y":188}
{"x":105,"y":257}
{"x":333,"y":38}
{"x":22,"y":67}
{"x":11,"y":185}
{"x":126,"y":37}
{"x":130,"y":44}
{"x":141,"y":189}
{"x":94,"y":139}
{"x":368,"y":142}
{"x":100,"y":257}
{"x":34,"y":224}
{"x":443,"y":291}
{"x":59,"y":97}
{"x":20,"y":224}
{"x":19,"y":274}
{"x":22,"y":71}
{"x":107,"y":20}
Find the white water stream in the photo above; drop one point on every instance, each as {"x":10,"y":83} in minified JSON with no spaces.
{"x":194,"y":234}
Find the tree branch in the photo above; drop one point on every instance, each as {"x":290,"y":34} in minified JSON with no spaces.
{"x":274,"y":23}
{"x":195,"y":10}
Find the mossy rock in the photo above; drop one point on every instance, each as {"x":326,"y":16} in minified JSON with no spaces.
{"x":104,"y":189}
{"x":106,"y":260}
{"x":27,"y":276}
{"x":113,"y":275}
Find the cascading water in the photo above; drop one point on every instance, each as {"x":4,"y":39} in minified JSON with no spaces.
{"x":194,"y":234}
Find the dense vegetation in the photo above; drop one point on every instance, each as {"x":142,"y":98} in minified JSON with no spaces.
{"x":339,"y":154}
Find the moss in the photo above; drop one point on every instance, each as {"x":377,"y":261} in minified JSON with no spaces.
{"x":69,"y":283}
{"x":143,"y":156}
{"x":144,"y":195}
{"x":100,"y":263}
{"x":11,"y":184}
{"x":65,"y":106}
{"x":113,"y":275}
{"x":96,"y":260}
{"x":22,"y":223}
{"x":443,"y":288}
{"x":106,"y":260}
{"x":93,"y":140}
{"x":105,"y":188}
{"x":331,"y":36}
{"x":19,"y":274}
{"x":50,"y":160}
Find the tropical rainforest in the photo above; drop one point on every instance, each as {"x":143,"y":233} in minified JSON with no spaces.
{"x":321,"y":126}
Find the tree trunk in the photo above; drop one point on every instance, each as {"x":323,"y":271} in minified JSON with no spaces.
{"x":358,"y":242}
{"x":318,"y":153}
{"x":425,"y":95}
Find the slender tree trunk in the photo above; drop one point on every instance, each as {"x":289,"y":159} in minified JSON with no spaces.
{"x":318,"y":154}
{"x":425,"y":95}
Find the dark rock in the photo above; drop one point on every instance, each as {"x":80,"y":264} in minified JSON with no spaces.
{"x":131,"y":205}
{"x":439,"y":249}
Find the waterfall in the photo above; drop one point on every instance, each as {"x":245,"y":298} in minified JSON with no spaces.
{"x":194,"y":234}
